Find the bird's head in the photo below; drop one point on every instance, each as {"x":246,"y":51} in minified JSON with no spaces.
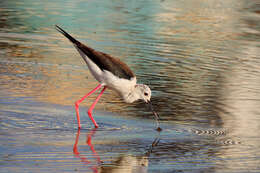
{"x":143,"y":92}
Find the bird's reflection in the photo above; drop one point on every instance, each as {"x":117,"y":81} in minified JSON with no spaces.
{"x":123,"y":164}
{"x":83,"y":158}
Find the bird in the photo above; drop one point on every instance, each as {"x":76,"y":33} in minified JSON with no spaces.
{"x":111,"y":73}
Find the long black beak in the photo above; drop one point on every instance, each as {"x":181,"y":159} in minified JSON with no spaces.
{"x":156,"y":116}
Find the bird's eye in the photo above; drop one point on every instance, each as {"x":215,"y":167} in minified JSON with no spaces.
{"x":146,"y":94}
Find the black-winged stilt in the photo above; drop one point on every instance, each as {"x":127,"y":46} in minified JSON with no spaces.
{"x":111,"y":73}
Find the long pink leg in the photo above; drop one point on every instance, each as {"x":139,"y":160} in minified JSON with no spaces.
{"x":80,"y":100}
{"x":93,"y":105}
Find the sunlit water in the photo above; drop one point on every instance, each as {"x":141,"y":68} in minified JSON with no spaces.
{"x":200,"y":58}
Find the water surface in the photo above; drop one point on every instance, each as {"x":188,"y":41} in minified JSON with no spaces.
{"x":200,"y":58}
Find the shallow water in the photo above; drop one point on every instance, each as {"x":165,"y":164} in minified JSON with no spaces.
{"x":200,"y":59}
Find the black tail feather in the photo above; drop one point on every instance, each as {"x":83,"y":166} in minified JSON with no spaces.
{"x":102,"y":60}
{"x":73,"y":40}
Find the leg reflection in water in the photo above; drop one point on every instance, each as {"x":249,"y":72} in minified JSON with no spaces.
{"x":83,"y":158}
{"x":122,"y":164}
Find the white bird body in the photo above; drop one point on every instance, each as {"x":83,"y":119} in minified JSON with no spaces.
{"x":123,"y":87}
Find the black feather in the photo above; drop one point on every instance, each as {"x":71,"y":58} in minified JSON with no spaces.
{"x":102,"y":60}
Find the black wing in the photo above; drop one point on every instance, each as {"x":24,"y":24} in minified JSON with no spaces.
{"x":102,"y":60}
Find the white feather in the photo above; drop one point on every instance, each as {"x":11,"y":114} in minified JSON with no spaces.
{"x":123,"y":86}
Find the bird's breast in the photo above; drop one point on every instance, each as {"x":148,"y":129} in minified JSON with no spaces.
{"x":120,"y":85}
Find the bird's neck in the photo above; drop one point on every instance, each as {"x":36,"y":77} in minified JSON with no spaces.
{"x":132,"y":96}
